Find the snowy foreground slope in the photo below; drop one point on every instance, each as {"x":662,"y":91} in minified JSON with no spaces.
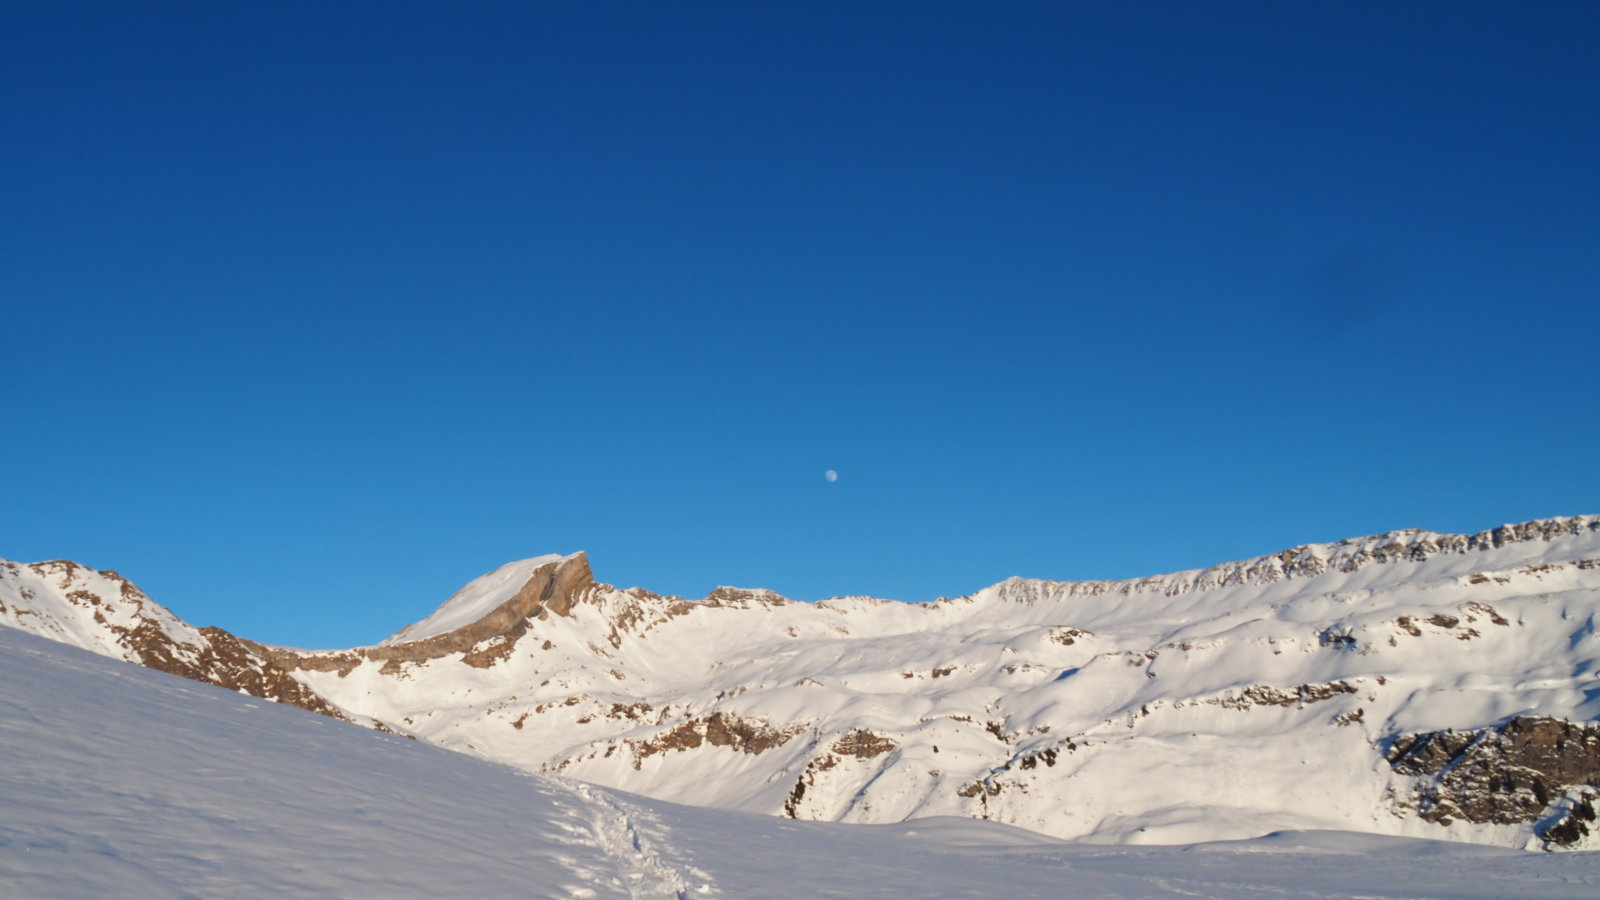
{"x":121,"y":781}
{"x":1412,"y":683}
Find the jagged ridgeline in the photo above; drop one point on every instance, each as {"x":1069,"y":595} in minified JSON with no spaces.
{"x":1411,"y":683}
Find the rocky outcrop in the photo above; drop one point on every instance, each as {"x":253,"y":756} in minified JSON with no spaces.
{"x":744,"y":598}
{"x":1510,"y":773}
{"x":863,"y":744}
{"x":1267,"y":695}
{"x":860,"y":744}
{"x":719,"y":729}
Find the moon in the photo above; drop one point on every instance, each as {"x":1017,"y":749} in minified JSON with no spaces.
{"x":831,"y":475}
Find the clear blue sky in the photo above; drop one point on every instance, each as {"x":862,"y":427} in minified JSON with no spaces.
{"x":313,"y":314}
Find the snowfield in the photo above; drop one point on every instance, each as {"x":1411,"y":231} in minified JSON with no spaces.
{"x":120,"y":781}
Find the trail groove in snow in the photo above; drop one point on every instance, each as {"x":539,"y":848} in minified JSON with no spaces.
{"x":632,"y":838}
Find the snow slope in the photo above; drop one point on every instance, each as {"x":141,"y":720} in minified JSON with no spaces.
{"x":122,"y":781}
{"x":1298,"y":690}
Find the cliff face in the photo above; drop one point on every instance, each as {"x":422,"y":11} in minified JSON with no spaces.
{"x":1531,"y":769}
{"x":1408,"y":683}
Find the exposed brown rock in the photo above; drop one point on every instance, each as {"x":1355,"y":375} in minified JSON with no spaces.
{"x":1265,"y":695}
{"x":744,"y":597}
{"x":1448,"y":622}
{"x":1048,"y":756}
{"x":822,"y":763}
{"x":487,"y":654}
{"x":1350,"y":718}
{"x":981,"y":789}
{"x":719,"y":730}
{"x":1337,"y":637}
{"x":1507,"y":774}
{"x":232,"y":665}
{"x":863,"y":744}
{"x":1068,"y":636}
{"x":1575,"y":825}
{"x":629,"y":710}
{"x":1487,"y":610}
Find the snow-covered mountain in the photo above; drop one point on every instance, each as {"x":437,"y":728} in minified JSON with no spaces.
{"x":1412,"y":683}
{"x":105,"y":613}
{"x":117,"y":781}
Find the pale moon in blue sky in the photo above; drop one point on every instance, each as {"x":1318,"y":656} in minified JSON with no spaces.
{"x":831,"y":475}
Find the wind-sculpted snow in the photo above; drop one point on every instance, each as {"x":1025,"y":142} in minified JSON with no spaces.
{"x":1221,"y":703}
{"x":117,"y":781}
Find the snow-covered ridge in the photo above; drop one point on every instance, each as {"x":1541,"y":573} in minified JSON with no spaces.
{"x":1310,"y":560}
{"x":99,"y":611}
{"x":509,"y":585}
{"x":119,"y":782}
{"x":103,"y":612}
{"x":510,"y":582}
{"x":1215,"y":703}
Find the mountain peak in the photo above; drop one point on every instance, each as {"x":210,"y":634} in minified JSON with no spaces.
{"x":497,"y":601}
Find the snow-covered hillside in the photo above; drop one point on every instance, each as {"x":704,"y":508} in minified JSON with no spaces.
{"x":1411,"y":683}
{"x":117,"y":781}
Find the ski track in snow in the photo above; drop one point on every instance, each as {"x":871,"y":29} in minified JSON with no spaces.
{"x":634,"y":839}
